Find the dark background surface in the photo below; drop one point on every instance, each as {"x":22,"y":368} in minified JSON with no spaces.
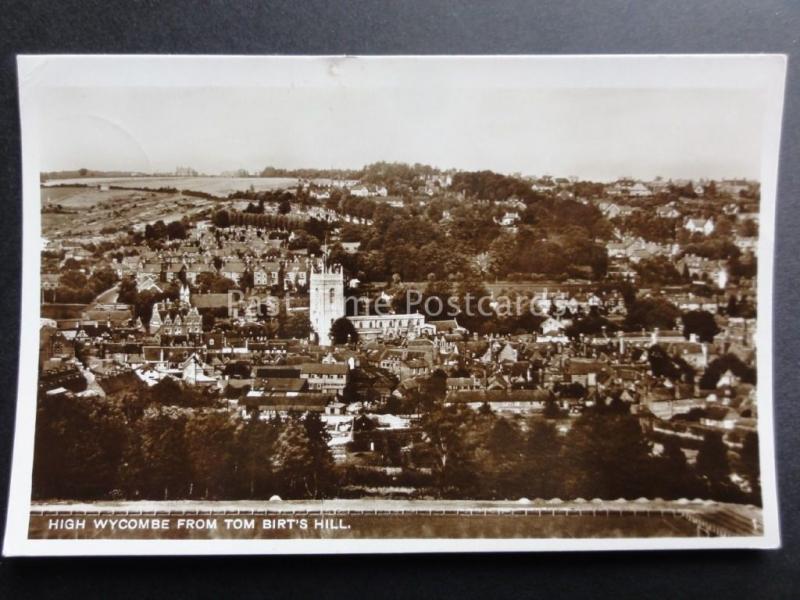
{"x":400,"y":27}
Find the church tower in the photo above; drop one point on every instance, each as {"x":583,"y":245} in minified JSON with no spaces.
{"x":326,"y":299}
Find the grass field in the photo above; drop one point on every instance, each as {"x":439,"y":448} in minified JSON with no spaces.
{"x":87,"y":211}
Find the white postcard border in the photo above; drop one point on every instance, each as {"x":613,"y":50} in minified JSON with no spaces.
{"x":40,"y":72}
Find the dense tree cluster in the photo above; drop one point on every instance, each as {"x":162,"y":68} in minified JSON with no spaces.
{"x":174,"y":230}
{"x":605,"y":454}
{"x":718,"y":367}
{"x":151,"y":445}
{"x":74,"y":286}
{"x":136,"y":447}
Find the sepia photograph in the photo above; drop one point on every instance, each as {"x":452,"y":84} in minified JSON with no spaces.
{"x":396,"y":304}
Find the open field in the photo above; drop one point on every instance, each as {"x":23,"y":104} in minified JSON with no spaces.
{"x":87,"y":211}
{"x":218,"y":186}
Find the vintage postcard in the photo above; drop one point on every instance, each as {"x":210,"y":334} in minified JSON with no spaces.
{"x":396,"y":304}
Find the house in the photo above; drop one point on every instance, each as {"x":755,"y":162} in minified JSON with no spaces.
{"x":269,"y":404}
{"x":463,"y":384}
{"x":267,"y":274}
{"x":668,"y":211}
{"x":148,"y":276}
{"x":174,"y":271}
{"x":728,"y":379}
{"x":197,"y":372}
{"x":447,"y":326}
{"x":193,"y":269}
{"x":295,"y":274}
{"x":360,"y":191}
{"x":703,"y":226}
{"x":233,"y":270}
{"x":639,"y":190}
{"x":610,"y":210}
{"x":584,"y":371}
{"x":54,"y":344}
{"x":552,"y":326}
{"x":502,"y":401}
{"x":288,"y":386}
{"x":509,"y":219}
{"x":68,"y":377}
{"x":720,"y":417}
{"x":747,"y":244}
{"x":328,"y":378}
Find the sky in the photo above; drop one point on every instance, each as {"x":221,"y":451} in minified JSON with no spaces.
{"x":597,"y":134}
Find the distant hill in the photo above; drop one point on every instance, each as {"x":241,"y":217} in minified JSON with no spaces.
{"x":78,"y":173}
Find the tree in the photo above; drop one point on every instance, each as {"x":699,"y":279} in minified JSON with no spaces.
{"x":551,"y":409}
{"x":102,"y":280}
{"x":176,"y":230}
{"x":343,"y":331}
{"x":671,"y":367}
{"x":255,"y":444}
{"x":294,"y":325}
{"x":658,"y":271}
{"x":210,"y":449}
{"x":712,"y":461}
{"x":294,"y":461}
{"x":322,"y":458}
{"x":701,"y":323}
{"x":649,"y":313}
{"x":540,"y":466}
{"x":73,"y":279}
{"x":78,"y":447}
{"x":501,"y":468}
{"x":751,"y":468}
{"x":446,"y":442}
{"x":171,"y":392}
{"x":607,"y":456}
{"x":676,"y":479}
{"x":726,"y":362}
{"x":155,"y":457}
{"x":222,"y":219}
{"x":128,"y":293}
{"x":237,"y":370}
{"x":217,"y":284}
{"x":284,"y":207}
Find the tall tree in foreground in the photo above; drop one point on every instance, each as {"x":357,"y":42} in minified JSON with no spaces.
{"x":501,"y":467}
{"x":750,"y":465}
{"x":541,"y":476}
{"x":446,"y":441}
{"x":714,"y":469}
{"x":321,"y":457}
{"x":209,"y":443}
{"x":676,"y":478}
{"x":294,"y":461}
{"x":156,"y":462}
{"x":78,"y":447}
{"x":255,"y":443}
{"x":607,"y":456}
